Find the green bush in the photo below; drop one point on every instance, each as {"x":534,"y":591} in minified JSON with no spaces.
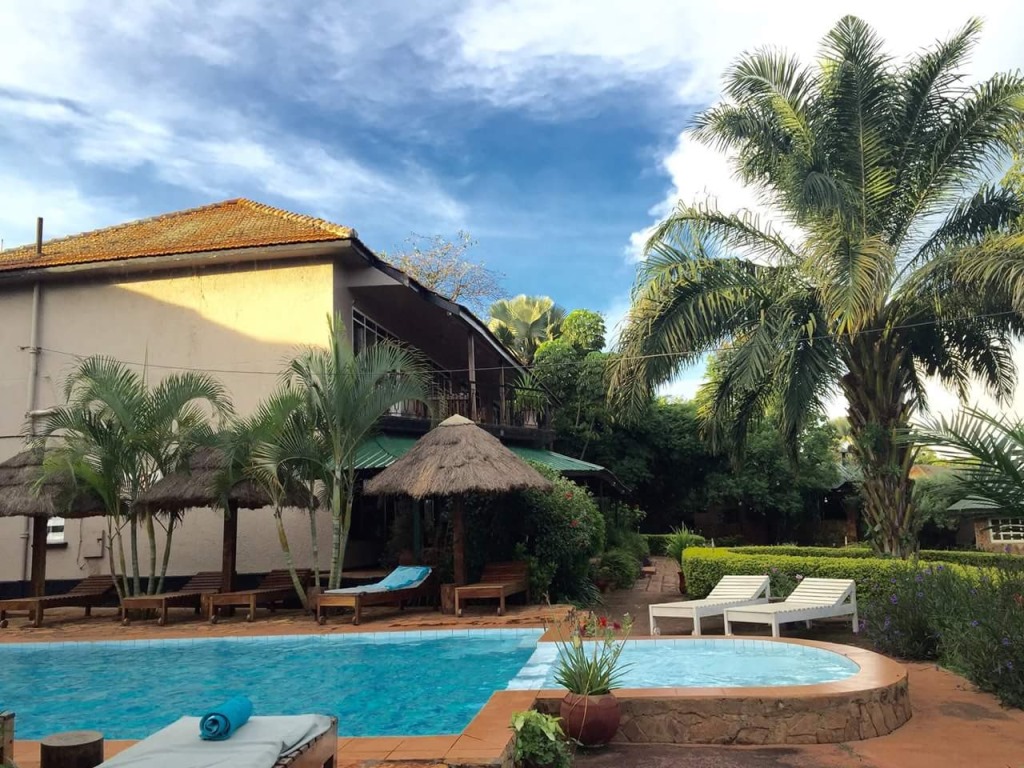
{"x":705,"y":566}
{"x":960,"y":557}
{"x":972,"y":621}
{"x":631,"y":541}
{"x":656,"y":543}
{"x":680,"y":540}
{"x":620,"y":567}
{"x":539,"y":741}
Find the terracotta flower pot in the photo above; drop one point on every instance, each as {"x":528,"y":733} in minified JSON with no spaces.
{"x":592,"y":721}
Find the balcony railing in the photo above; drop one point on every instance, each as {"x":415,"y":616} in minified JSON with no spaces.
{"x":449,"y":404}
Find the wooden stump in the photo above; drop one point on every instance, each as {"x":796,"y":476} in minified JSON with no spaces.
{"x":73,"y":749}
{"x":6,"y":738}
{"x":448,"y":598}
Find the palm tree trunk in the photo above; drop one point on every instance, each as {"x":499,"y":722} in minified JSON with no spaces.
{"x":879,"y":413}
{"x":346,"y":527}
{"x":336,"y":534}
{"x":167,"y":553}
{"x":119,"y":586}
{"x":133,"y":538}
{"x":120,"y":556}
{"x":282,"y":536}
{"x":314,"y":543}
{"x":151,"y":535}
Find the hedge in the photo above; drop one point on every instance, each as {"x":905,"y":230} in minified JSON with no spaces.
{"x":958,"y":556}
{"x":705,"y":566}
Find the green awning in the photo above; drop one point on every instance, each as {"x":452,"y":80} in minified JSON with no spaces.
{"x":383,"y":450}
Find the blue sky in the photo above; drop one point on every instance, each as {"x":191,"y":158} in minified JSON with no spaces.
{"x":552,"y":132}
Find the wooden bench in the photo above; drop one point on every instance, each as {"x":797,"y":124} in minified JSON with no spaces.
{"x":498,"y":581}
{"x":189,"y":596}
{"x":276,"y":587}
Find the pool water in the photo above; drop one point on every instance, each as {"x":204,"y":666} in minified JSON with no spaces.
{"x":377,"y":684}
{"x":717,"y":663}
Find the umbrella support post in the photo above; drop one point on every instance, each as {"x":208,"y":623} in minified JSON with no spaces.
{"x":458,"y":541}
{"x":229,"y":554}
{"x":39,"y":556}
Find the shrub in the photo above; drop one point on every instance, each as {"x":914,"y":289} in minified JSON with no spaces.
{"x":620,"y":567}
{"x":900,"y":621}
{"x":679,"y":540}
{"x":705,"y":566}
{"x":656,"y":543}
{"x":631,"y":541}
{"x":539,"y":741}
{"x":960,"y":557}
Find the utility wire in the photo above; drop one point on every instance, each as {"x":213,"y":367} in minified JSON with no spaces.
{"x":650,"y":356}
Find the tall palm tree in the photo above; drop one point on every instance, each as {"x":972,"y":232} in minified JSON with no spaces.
{"x":895,"y":258}
{"x":119,"y":436}
{"x":523,"y":322}
{"x":346,"y":394}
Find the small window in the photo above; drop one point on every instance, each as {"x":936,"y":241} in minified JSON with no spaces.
{"x":55,"y":530}
{"x":1006,"y":528}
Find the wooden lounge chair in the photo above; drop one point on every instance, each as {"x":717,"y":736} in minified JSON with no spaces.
{"x":380,"y":593}
{"x":498,"y":581}
{"x":276,"y":587}
{"x":730,"y":592}
{"x":812,"y":599}
{"x":191,"y":596}
{"x":257,"y":744}
{"x":85,"y":594}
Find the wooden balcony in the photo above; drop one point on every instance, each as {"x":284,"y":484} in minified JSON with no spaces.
{"x":502,"y":419}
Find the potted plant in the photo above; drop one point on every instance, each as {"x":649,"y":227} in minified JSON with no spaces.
{"x":539,"y":741}
{"x":588,"y":667}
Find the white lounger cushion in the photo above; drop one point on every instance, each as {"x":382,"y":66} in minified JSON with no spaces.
{"x":259,"y":743}
{"x":730,"y":591}
{"x":812,"y":599}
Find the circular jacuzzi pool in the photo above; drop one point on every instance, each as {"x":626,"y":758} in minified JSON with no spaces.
{"x":706,"y":663}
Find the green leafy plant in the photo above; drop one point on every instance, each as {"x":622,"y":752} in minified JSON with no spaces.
{"x":681,"y":539}
{"x":588,"y":662}
{"x":619,"y":567}
{"x":539,"y":741}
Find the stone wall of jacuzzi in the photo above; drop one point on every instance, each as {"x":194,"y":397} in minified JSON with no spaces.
{"x":872,"y":703}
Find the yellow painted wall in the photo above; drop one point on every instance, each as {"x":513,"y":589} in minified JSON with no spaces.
{"x":240,"y":324}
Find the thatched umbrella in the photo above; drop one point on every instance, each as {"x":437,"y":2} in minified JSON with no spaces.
{"x":456,"y":458}
{"x":22,"y":495}
{"x":196,"y":487}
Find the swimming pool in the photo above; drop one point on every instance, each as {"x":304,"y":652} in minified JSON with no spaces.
{"x":713,"y":663}
{"x":377,"y":684}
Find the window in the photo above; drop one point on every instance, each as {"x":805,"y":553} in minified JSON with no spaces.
{"x":55,"y":530}
{"x":1006,"y":528}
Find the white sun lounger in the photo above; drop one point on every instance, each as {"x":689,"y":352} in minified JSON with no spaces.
{"x":812,"y":599}
{"x":732,"y":591}
{"x":297,"y":741}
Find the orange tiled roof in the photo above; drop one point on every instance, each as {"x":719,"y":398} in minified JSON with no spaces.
{"x":231,"y":224}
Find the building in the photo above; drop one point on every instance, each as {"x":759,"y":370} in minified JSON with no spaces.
{"x":233,"y":289}
{"x":988,"y":527}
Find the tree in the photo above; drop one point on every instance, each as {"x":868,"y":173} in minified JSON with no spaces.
{"x":577,"y":381}
{"x":523,"y":322}
{"x":442,"y":266}
{"x":584,"y":329}
{"x":345,"y":394}
{"x":118,"y":436}
{"x":883,"y":274}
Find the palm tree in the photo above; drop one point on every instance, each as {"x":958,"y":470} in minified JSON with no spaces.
{"x":523,"y":322}
{"x":345,"y":395}
{"x":119,"y":436}
{"x":986,"y":454}
{"x":895,"y":258}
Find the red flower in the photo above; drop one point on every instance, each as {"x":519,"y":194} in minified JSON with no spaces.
{"x":616,"y":625}
{"x":568,"y":495}
{"x":603,"y":622}
{"x":574,"y":523}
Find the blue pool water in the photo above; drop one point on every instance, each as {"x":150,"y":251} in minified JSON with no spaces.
{"x":712,"y":663}
{"x":377,"y":684}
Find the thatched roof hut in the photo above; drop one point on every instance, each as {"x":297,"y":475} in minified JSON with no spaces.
{"x":455,"y":458}
{"x":21,"y":494}
{"x":196,"y":487}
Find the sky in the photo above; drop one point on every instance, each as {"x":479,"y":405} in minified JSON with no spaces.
{"x":554,"y":133}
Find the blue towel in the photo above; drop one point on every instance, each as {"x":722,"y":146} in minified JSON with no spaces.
{"x":405,"y":576}
{"x":219,"y":723}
